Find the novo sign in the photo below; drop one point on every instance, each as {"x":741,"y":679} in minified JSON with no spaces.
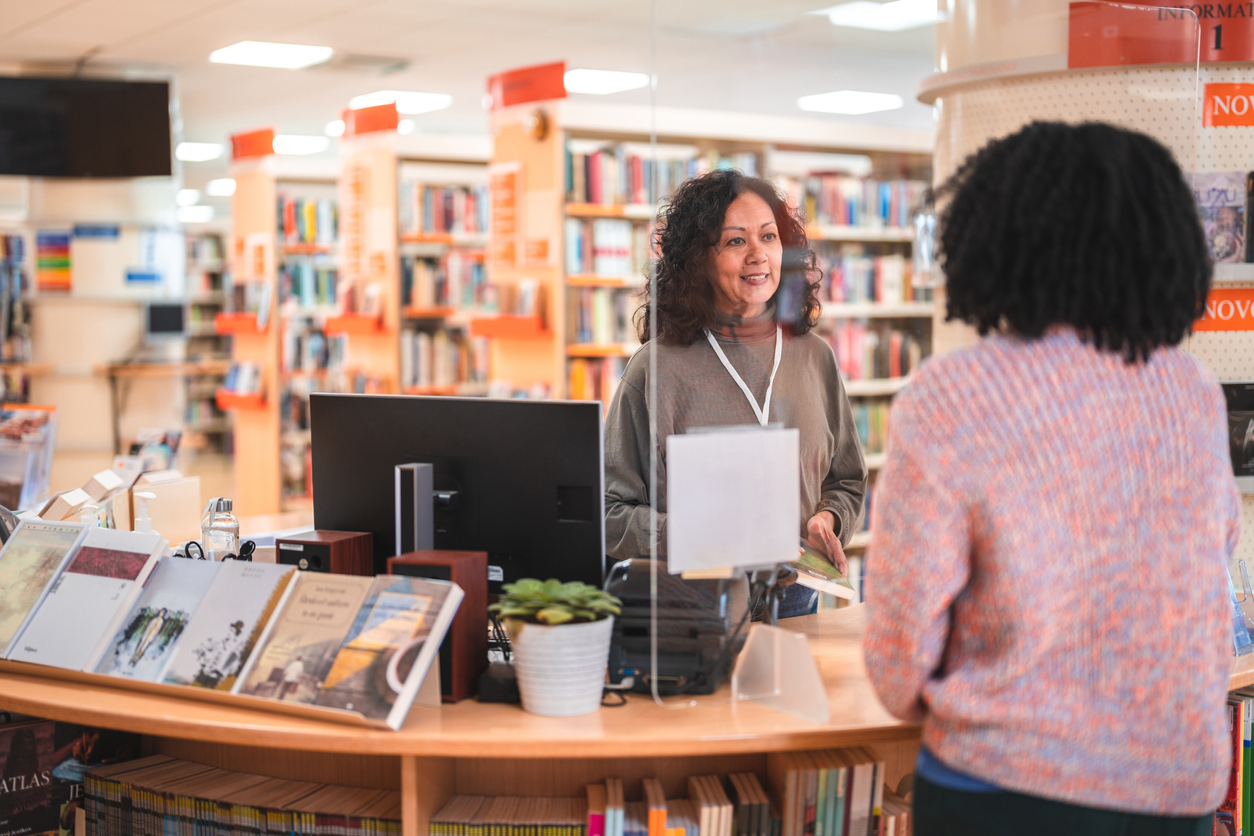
{"x":1228,"y":309}
{"x":1228,"y":105}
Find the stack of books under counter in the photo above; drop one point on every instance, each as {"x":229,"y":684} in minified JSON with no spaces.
{"x":160,"y":794}
{"x":824,"y":793}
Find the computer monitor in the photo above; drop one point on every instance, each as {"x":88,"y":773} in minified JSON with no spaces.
{"x":529,"y":477}
{"x":163,"y":321}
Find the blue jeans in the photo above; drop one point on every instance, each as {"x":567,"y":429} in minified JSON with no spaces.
{"x":798,"y":600}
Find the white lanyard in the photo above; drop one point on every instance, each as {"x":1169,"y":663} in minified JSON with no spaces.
{"x":764,"y":411}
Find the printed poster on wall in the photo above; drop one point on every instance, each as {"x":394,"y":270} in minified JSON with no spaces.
{"x":52,"y":260}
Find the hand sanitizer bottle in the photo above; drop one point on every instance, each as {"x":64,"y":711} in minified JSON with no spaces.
{"x":219,"y":529}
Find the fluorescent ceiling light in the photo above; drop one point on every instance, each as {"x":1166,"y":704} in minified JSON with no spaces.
{"x":280,"y":56}
{"x":298,"y":146}
{"x":187,"y":197}
{"x":195,"y":214}
{"x":406,"y":126}
{"x":895,"y":16}
{"x":406,"y":102}
{"x":198,"y":152}
{"x":851,"y":102}
{"x":603,"y":82}
{"x":223,"y":187}
{"x":335,"y":128}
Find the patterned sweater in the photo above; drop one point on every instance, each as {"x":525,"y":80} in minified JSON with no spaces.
{"x":1047,"y":588}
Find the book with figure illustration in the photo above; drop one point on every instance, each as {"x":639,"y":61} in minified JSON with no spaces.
{"x":145,"y":639}
{"x":390,"y":646}
{"x":29,"y":562}
{"x":1221,"y":198}
{"x":72,"y":627}
{"x":298,"y":646}
{"x":817,"y":572}
{"x":227,"y":624}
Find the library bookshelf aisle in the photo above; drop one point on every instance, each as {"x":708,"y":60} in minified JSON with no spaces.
{"x":493,"y":749}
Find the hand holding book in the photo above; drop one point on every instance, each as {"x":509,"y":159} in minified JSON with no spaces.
{"x":823,"y":539}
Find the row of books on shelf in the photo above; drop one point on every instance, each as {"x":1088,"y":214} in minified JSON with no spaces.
{"x":163,"y":795}
{"x":336,"y":378}
{"x":442,"y":358}
{"x":207,"y":249}
{"x":308,"y":283}
{"x":844,"y":200}
{"x":1236,"y":811}
{"x":600,"y":315}
{"x":822,"y":793}
{"x":594,"y":379}
{"x":853,"y":277}
{"x":637,"y":173}
{"x":607,"y":247}
{"x":426,"y":209}
{"x":307,"y":220}
{"x":311,"y":351}
{"x":457,"y":280}
{"x":92,"y":599}
{"x":873,"y":352}
{"x":201,"y":412}
{"x":243,"y":376}
{"x":870,"y":419}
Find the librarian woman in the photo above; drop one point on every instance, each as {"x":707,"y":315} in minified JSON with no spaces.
{"x":737,"y":296}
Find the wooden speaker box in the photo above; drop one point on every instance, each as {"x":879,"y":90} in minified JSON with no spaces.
{"x":337,"y":552}
{"x":464,"y":652}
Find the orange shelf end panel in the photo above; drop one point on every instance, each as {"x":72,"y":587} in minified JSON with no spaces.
{"x":426,"y":313}
{"x":239,"y":400}
{"x":510,"y":327}
{"x":235,"y":323}
{"x":353,"y":323}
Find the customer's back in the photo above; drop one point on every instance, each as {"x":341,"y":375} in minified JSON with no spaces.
{"x":1047,"y":584}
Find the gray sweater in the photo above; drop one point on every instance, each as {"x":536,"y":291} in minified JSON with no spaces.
{"x":694,"y":390}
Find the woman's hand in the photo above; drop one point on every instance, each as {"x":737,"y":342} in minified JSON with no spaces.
{"x":822,"y":529}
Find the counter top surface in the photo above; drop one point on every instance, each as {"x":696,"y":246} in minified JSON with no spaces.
{"x":470,"y":729}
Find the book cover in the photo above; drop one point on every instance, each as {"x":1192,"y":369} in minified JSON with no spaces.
{"x":87,"y":600}
{"x":1239,"y":398}
{"x":143,"y":642}
{"x":295,"y":653}
{"x":42,"y":764}
{"x":29,"y":562}
{"x":390,"y":646}
{"x":227,"y":624}
{"x":1220,"y":198}
{"x":814,"y":571}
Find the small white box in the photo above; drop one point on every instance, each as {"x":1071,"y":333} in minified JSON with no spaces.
{"x":102,"y":484}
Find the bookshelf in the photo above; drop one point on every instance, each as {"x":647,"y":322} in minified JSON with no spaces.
{"x":208,"y":427}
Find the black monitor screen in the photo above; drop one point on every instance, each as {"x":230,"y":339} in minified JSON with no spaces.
{"x":527,"y":474}
{"x":64,"y":127}
{"x":164,"y":320}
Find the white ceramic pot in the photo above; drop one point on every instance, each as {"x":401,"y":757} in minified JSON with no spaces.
{"x":561,"y":667}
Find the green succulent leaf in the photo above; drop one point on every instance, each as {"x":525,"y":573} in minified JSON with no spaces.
{"x":554,"y":602}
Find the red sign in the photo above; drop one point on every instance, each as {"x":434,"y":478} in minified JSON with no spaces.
{"x":1228,"y":309}
{"x":252,"y":144}
{"x":371,"y":119}
{"x":529,"y":84}
{"x":1228,"y":105}
{"x":1107,"y":35}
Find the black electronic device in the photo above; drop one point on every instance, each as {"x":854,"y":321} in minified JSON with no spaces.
{"x":702,"y":625}
{"x":164,"y":321}
{"x":519,"y":479}
{"x":78,"y":127}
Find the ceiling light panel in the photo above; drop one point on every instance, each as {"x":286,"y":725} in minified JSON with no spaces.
{"x":195,"y":214}
{"x":198,"y":152}
{"x":851,"y":102}
{"x":293,"y":145}
{"x":334,"y":128}
{"x":896,"y":16}
{"x":409,"y":102}
{"x":603,"y":82}
{"x":187,"y":197}
{"x":222,"y":187}
{"x":263,"y":54}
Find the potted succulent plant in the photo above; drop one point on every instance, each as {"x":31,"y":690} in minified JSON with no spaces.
{"x":560,"y":633}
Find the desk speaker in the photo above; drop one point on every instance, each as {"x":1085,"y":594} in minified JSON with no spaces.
{"x":464,"y":652}
{"x":338,"y":552}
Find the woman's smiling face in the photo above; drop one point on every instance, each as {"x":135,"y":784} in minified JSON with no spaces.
{"x":744,"y":265}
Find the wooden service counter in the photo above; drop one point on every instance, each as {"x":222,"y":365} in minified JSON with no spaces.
{"x":471,"y":748}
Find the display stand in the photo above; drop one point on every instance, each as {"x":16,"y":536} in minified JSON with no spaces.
{"x":775,"y":669}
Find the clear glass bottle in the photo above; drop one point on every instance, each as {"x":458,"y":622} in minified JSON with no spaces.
{"x":219,"y":531}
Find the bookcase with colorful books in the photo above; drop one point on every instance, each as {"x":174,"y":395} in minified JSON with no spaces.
{"x":208,"y":426}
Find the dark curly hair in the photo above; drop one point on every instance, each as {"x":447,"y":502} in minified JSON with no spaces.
{"x":1086,"y":225}
{"x":689,"y":225}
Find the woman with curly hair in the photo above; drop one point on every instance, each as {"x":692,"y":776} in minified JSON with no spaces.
{"x":1048,"y":592}
{"x":737,"y":297}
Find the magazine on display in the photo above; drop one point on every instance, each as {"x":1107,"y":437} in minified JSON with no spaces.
{"x":29,"y":562}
